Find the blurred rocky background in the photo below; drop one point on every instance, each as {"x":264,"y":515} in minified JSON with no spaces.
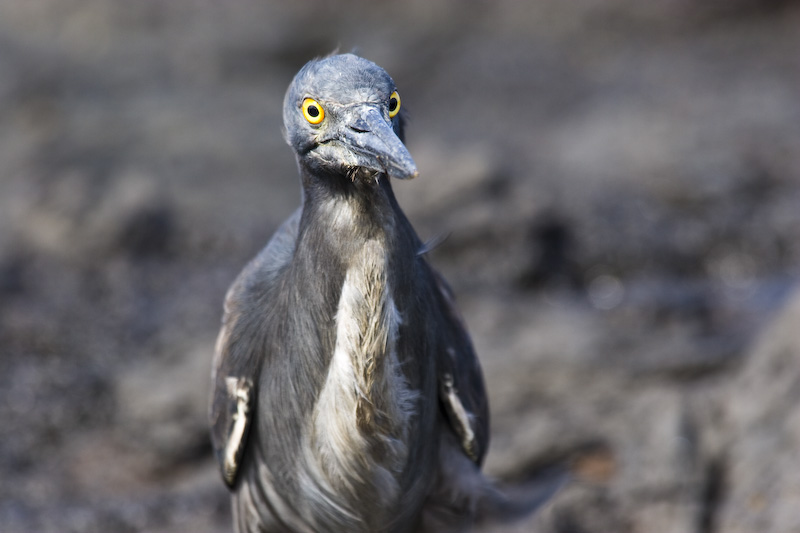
{"x":619,"y":180}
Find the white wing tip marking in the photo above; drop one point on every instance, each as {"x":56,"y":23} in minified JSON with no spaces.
{"x":239,"y":390}
{"x":461,"y":419}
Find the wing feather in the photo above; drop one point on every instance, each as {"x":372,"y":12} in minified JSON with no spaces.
{"x":239,"y":349}
{"x":461,"y":388}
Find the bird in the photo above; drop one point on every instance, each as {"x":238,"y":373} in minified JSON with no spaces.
{"x":346,"y":393}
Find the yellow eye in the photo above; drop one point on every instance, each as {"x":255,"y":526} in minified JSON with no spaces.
{"x":394,"y":104}
{"x":313,"y":111}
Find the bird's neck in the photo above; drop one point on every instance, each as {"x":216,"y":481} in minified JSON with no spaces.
{"x":355,"y":248}
{"x":351,"y":244}
{"x":344,"y":214}
{"x":365,"y":400}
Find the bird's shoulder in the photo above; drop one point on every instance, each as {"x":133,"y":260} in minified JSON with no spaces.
{"x":238,"y":356}
{"x":263,"y":270}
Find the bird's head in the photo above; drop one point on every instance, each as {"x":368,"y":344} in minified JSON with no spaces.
{"x":342,"y":116}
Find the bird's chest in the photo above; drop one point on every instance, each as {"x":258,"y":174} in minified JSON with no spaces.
{"x":360,"y":423}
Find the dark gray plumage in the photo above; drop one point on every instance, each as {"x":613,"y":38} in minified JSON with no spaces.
{"x":347,"y":396}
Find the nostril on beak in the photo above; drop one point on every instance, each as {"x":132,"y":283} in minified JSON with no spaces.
{"x":359,"y":126}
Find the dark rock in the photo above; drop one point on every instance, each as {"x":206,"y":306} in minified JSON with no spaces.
{"x":148,"y":232}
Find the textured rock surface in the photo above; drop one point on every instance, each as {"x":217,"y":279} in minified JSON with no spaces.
{"x":619,"y":182}
{"x":762,"y":416}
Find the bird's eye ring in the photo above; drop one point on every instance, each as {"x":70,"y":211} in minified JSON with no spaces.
{"x":312,"y":111}
{"x":394,"y":104}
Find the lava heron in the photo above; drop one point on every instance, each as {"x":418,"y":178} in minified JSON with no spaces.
{"x":346,"y":393}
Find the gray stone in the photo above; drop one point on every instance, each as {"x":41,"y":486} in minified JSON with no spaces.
{"x":762,"y":409}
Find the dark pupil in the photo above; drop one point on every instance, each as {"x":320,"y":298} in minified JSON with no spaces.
{"x":392,"y":104}
{"x":313,"y":111}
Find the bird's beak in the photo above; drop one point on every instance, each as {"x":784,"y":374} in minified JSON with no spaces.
{"x":374,"y":145}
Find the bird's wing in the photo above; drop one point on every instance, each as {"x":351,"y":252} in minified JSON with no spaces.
{"x":461,"y":388}
{"x":239,"y":349}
